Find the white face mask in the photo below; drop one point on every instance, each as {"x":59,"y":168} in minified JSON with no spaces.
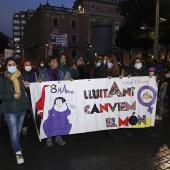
{"x":42,"y":65}
{"x":28,"y":68}
{"x":138,"y":65}
{"x":104,"y":62}
{"x":151,"y":73}
{"x":98,"y":64}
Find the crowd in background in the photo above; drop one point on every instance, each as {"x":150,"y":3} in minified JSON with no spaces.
{"x":15,"y":72}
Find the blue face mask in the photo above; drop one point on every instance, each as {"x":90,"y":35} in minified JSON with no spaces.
{"x":12,"y":69}
{"x":138,"y":65}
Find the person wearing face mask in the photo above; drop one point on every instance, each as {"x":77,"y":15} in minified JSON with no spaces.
{"x":68,"y":70}
{"x":51,"y":73}
{"x":138,"y":68}
{"x":14,"y":103}
{"x":109,"y":71}
{"x":40,"y":66}
{"x":96,"y":70}
{"x":26,"y":68}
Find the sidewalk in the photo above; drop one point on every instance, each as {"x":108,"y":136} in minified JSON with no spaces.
{"x":91,"y":151}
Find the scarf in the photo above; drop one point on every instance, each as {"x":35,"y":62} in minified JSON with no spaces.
{"x":14,"y":78}
{"x":56,"y":72}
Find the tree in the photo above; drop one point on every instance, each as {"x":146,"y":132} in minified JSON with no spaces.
{"x":3,"y":42}
{"x":136,"y":12}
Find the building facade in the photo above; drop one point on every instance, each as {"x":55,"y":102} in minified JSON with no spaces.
{"x":75,"y":23}
{"x":19,"y":22}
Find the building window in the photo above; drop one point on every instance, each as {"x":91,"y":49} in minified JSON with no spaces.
{"x":16,"y":27}
{"x":73,"y":39}
{"x":16,"y":16}
{"x":23,"y":22}
{"x":16,"y":39}
{"x":22,"y":16}
{"x":16,"y":33}
{"x":55,"y":22}
{"x":73,"y":53}
{"x":16,"y":21}
{"x":74,"y":24}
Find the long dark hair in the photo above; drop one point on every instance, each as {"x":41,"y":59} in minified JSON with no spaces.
{"x":68,"y":59}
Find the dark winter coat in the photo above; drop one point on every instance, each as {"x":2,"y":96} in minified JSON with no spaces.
{"x":9,"y":103}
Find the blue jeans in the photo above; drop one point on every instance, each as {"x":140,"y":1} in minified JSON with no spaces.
{"x":15,"y":122}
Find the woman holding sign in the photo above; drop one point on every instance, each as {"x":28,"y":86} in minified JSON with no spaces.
{"x":109,"y":71}
{"x":137,"y":69}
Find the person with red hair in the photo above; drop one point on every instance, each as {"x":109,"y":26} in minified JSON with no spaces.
{"x":27,"y":70}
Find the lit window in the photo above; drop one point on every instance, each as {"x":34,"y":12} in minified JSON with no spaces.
{"x":23,"y":22}
{"x":16,"y":21}
{"x":16,"y":27}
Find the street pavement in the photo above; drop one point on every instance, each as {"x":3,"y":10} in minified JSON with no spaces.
{"x":91,"y":151}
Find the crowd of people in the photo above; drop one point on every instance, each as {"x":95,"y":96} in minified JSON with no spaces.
{"x":16,"y":74}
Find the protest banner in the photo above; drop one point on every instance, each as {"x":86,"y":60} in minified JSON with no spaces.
{"x":79,"y":106}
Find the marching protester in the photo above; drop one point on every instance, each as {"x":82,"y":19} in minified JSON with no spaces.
{"x":40,"y":66}
{"x":138,"y":68}
{"x":96,"y":71}
{"x":14,"y":103}
{"x":68,"y":70}
{"x":109,"y":71}
{"x":29,"y":73}
{"x":52,"y":73}
{"x":162,"y":91}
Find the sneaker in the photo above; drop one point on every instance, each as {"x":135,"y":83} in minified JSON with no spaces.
{"x":20,"y":159}
{"x":157,"y":117}
{"x":49,"y":142}
{"x":59,"y":140}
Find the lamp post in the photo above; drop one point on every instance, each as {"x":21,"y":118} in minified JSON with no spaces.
{"x":156,"y":37}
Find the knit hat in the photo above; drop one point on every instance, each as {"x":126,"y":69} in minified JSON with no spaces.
{"x":152,"y":69}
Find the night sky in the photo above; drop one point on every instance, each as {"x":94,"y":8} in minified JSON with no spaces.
{"x":9,"y":7}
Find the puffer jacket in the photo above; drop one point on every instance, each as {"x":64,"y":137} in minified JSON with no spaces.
{"x":9,"y":103}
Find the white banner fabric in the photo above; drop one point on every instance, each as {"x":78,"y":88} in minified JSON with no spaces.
{"x":79,"y":106}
